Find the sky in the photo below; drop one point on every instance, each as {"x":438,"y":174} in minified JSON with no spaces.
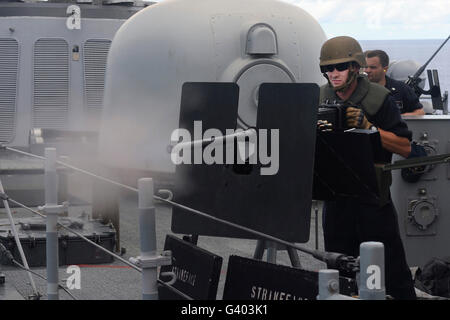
{"x":381,"y":19}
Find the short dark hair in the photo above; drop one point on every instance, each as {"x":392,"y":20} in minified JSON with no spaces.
{"x":384,"y":58}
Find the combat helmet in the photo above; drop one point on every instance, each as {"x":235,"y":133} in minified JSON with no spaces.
{"x":341,"y":49}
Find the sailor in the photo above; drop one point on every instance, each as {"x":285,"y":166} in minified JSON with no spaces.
{"x":377,"y":65}
{"x":349,"y":222}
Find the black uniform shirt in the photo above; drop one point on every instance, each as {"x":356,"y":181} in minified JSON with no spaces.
{"x":388,"y":118}
{"x":404,"y":97}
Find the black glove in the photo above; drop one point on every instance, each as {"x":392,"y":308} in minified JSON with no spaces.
{"x":413,"y":174}
{"x":324,"y":126}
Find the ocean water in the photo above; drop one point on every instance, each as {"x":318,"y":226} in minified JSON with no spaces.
{"x":420,"y":51}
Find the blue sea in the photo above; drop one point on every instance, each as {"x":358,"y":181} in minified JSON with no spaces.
{"x":418,"y":50}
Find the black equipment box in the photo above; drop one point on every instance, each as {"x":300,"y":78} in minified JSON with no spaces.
{"x":72,"y":249}
{"x":249,"y":279}
{"x":197,"y":271}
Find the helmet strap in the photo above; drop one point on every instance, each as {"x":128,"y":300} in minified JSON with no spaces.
{"x":352,"y":74}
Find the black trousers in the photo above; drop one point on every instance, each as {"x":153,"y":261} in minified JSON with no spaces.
{"x":347,"y":223}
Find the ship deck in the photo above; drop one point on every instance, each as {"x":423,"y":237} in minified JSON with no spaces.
{"x":117,"y":281}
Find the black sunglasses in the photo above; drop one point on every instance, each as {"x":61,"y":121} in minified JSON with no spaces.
{"x":330,"y":68}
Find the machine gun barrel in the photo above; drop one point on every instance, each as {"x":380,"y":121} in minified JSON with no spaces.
{"x":338,"y":261}
{"x":414,"y":80}
{"x":240,"y":135}
{"x":417,"y":162}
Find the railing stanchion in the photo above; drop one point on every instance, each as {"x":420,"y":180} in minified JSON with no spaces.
{"x":149,"y":260}
{"x":51,"y":210}
{"x":329,"y":286}
{"x":371,"y":286}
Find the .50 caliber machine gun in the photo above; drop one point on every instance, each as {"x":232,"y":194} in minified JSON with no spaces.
{"x":414,"y":80}
{"x":434,"y":88}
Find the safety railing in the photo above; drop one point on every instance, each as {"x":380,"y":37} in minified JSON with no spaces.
{"x":148,"y":262}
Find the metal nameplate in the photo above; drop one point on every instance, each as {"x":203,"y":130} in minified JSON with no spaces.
{"x":249,"y":279}
{"x":197,"y":271}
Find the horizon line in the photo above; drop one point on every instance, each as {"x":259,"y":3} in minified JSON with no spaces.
{"x":401,"y":39}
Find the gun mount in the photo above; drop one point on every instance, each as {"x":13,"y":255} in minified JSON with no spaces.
{"x":413,"y":81}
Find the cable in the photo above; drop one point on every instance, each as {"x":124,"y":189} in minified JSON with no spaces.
{"x":97,"y":176}
{"x":43,"y":278}
{"x":260,"y":234}
{"x":5,"y":253}
{"x":25,"y":153}
{"x":185,"y":296}
{"x":16,"y":236}
{"x":320,"y":255}
{"x":76,"y":169}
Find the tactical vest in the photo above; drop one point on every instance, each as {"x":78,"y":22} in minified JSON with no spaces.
{"x":367,"y":95}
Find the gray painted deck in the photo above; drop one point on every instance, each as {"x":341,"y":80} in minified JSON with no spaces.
{"x":117,"y":281}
